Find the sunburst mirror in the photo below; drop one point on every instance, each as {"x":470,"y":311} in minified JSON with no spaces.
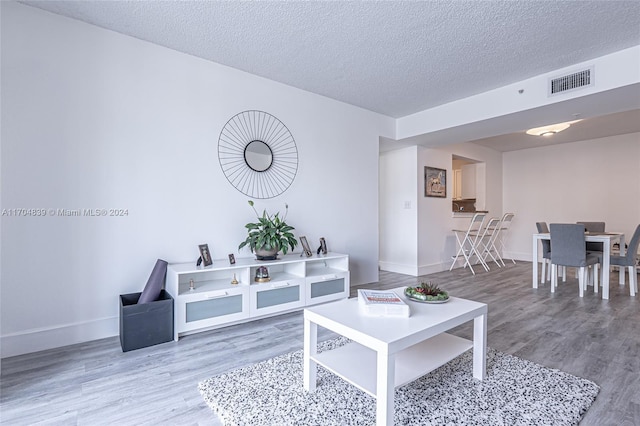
{"x":258,"y":154}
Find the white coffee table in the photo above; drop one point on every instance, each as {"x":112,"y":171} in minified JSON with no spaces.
{"x":386,"y":353}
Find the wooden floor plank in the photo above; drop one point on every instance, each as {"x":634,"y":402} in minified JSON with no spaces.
{"x":96,"y":383}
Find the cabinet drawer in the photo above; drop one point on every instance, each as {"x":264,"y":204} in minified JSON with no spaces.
{"x":207,"y":309}
{"x":277,"y":296}
{"x":211,"y":308}
{"x":327,"y":287}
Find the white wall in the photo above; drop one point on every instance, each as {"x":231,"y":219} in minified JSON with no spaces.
{"x":592,"y":180}
{"x":95,"y":119}
{"x":399,"y":192}
{"x":420,"y":241}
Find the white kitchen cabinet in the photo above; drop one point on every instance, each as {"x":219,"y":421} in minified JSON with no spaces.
{"x":469,"y":181}
{"x":457,"y":184}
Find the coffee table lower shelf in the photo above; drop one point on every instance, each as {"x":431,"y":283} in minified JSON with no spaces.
{"x":357,"y":364}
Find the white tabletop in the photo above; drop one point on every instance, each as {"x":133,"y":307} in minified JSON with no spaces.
{"x":389,"y":331}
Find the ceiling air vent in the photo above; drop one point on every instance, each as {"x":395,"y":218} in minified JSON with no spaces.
{"x":573,"y":81}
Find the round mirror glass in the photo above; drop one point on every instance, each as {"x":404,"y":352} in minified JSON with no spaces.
{"x":258,"y":156}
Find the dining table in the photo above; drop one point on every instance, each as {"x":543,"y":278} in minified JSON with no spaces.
{"x":606,"y":238}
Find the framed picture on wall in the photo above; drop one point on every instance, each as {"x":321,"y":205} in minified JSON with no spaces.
{"x":435,"y":182}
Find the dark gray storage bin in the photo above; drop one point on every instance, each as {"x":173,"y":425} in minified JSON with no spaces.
{"x":146,"y":324}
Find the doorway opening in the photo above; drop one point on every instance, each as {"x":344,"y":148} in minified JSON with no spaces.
{"x":469,"y":184}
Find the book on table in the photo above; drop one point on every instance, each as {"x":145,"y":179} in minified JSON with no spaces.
{"x":382,"y":304}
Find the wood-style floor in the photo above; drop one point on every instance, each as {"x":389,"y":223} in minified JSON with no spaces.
{"x":97,"y":384}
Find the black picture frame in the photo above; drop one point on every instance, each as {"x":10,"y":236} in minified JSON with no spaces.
{"x":232,"y":259}
{"x":435,"y":182}
{"x":205,"y":254}
{"x":323,"y":246}
{"x":306,"y":249}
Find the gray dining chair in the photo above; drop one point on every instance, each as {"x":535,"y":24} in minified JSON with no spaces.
{"x":543,"y":228}
{"x":569,"y":249}
{"x":594,"y":227}
{"x":629,"y":260}
{"x":546,"y":252}
{"x":594,"y":248}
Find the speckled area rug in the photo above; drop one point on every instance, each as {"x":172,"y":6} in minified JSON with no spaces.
{"x":515,"y":392}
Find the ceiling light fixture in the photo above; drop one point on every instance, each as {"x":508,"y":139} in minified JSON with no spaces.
{"x":551,"y":129}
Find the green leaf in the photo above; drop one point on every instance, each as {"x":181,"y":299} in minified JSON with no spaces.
{"x":270,"y":231}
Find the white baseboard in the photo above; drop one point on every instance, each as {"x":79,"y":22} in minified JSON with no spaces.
{"x":414,"y":270}
{"x":398,"y":268}
{"x":525,"y":257}
{"x":433,"y":268}
{"x":439,"y":267}
{"x":54,"y":337}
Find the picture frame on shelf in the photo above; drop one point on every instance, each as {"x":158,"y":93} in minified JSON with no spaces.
{"x":323,"y":246}
{"x":435,"y":182}
{"x":232,"y":259}
{"x":306,"y":249}
{"x":205,"y":255}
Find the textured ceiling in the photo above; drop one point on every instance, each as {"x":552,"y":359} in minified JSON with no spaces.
{"x":393,"y":57}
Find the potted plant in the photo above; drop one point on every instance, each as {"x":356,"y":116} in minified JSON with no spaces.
{"x":269,"y":235}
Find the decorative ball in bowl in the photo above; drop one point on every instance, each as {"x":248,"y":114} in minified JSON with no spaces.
{"x":427,"y":293}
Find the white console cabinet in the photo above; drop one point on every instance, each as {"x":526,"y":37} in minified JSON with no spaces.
{"x":295,"y":282}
